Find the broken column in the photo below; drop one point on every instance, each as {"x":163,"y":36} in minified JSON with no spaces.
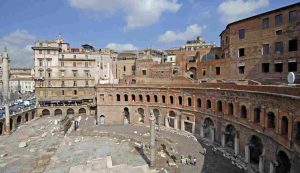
{"x":152,"y":140}
{"x":5,"y":78}
{"x":261,"y":164}
{"x":236,"y":145}
{"x":247,"y":153}
{"x":201,"y":131}
{"x":223,"y":140}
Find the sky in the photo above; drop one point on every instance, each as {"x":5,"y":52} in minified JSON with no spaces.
{"x":119,"y":24}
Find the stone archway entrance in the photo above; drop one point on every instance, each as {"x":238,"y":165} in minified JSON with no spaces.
{"x":156,"y":115}
{"x":141,"y":115}
{"x":19,"y":120}
{"x":284,"y":164}
{"x":102,"y":120}
{"x":45,"y":112}
{"x":70,"y":111}
{"x":230,"y":133}
{"x":255,"y":148}
{"x":208,"y":129}
{"x":126,"y":116}
{"x":171,"y":119}
{"x":57,"y":112}
{"x":82,"y":111}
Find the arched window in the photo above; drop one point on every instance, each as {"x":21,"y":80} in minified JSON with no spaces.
{"x":271,"y":120}
{"x":189,"y":101}
{"x":199,"y":103}
{"x":243,"y":111}
{"x":208,"y":104}
{"x":118,"y":97}
{"x":180,"y":100}
{"x":257,"y":115}
{"x":126,"y":97}
{"x":230,"y":109}
{"x":284,"y":126}
{"x":133,"y":97}
{"x":155,"y":99}
{"x":219,"y":106}
{"x":297,"y":130}
{"x":171,"y":100}
{"x":163,"y":98}
{"x":148,"y":98}
{"x":141,"y":98}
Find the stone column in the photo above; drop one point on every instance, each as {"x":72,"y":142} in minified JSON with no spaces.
{"x":201,"y":131}
{"x":182,"y":125}
{"x":5,"y":79}
{"x":175,"y":123}
{"x":272,"y":167}
{"x":223,"y":139}
{"x":152,"y":140}
{"x":212,"y":132}
{"x":236,"y":145}
{"x":247,"y":154}
{"x":261,"y":164}
{"x":166,"y":120}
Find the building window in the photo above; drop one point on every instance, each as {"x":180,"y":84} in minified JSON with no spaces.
{"x":265,"y":23}
{"x":241,"y":33}
{"x":62,"y":83}
{"x":241,"y":69}
{"x":218,"y":70}
{"x":171,"y":100}
{"x":199,"y":103}
{"x":144,"y":72}
{"x":293,"y":45}
{"x":126,"y":98}
{"x":189,"y":101}
{"x":265,"y":67}
{"x":118,"y":97}
{"x":62,"y":73}
{"x":62,"y":56}
{"x":155,"y":98}
{"x":241,"y":52}
{"x":49,"y":63}
{"x":75,"y":92}
{"x":279,"y":47}
{"x":49,"y":74}
{"x":86,"y":83}
{"x":74,"y":56}
{"x":124,"y":68}
{"x":141,"y":98}
{"x":279,"y":32}
{"x":41,"y":62}
{"x":292,"y":66}
{"x":203,"y":72}
{"x":74,"y":64}
{"x":74,"y":83}
{"x":278,"y":19}
{"x":74,"y":73}
{"x":48,"y":51}
{"x":278,"y":67}
{"x":148,"y":98}
{"x":292,"y":16}
{"x":62,"y":63}
{"x":40,"y":51}
{"x":63,"y":92}
{"x":86,"y":64}
{"x":266,"y":49}
{"x":163,"y":99}
{"x":87,"y":74}
{"x":180,"y":100}
{"x":208,"y":104}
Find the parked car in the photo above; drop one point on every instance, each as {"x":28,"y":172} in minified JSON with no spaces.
{"x":26,"y":103}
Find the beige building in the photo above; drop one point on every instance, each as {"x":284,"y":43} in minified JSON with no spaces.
{"x":21,"y":80}
{"x":66,"y":75}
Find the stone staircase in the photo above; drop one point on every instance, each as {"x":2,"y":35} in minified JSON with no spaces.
{"x":104,"y":165}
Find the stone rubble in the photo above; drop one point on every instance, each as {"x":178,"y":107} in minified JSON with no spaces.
{"x":23,"y":144}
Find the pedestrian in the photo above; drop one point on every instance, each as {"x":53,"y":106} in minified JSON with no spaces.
{"x":194,"y":161}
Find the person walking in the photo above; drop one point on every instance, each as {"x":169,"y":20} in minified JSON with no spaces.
{"x":195,"y":160}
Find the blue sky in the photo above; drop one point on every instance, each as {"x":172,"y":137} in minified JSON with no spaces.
{"x":119,"y":24}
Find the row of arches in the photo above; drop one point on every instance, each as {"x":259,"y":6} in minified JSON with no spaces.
{"x":15,"y":122}
{"x":254,"y":143}
{"x":59,"y":112}
{"x":242,"y":112}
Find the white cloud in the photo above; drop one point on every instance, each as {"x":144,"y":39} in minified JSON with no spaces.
{"x":121,"y":47}
{"x":19,"y":45}
{"x":232,"y":10}
{"x":139,"y":13}
{"x":190,"y":32}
